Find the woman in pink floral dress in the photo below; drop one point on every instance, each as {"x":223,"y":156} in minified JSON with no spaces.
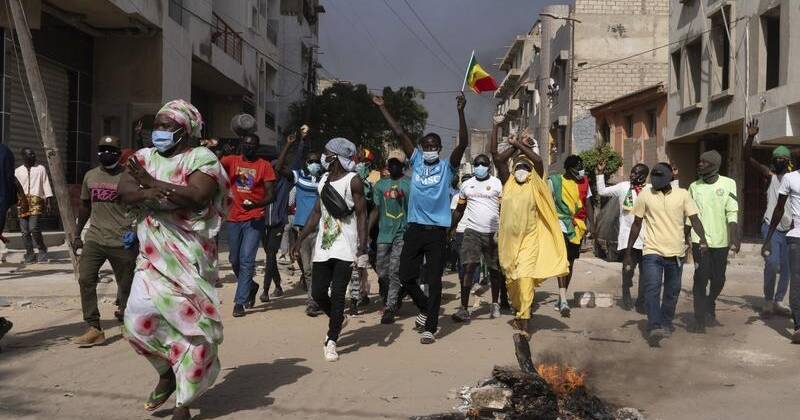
{"x":172,"y":316}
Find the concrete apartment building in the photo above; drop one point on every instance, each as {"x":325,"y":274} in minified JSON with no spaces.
{"x":733,"y":60}
{"x":572,"y":67}
{"x":108,"y":64}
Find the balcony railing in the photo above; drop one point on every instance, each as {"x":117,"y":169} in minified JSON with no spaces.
{"x":226,"y":38}
{"x":272,"y":31}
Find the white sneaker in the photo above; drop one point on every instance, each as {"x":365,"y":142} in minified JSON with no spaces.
{"x":495,"y":310}
{"x":329,"y":351}
{"x":781,"y":309}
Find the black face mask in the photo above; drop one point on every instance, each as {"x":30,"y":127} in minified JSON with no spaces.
{"x":249,"y":151}
{"x":779,"y":166}
{"x":638,"y":178}
{"x":395,"y":169}
{"x":108,"y":159}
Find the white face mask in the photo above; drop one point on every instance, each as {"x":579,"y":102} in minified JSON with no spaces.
{"x":324,"y":161}
{"x":430,"y":157}
{"x":581,"y":174}
{"x":521,"y":175}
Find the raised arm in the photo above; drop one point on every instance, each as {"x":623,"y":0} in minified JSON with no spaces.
{"x":280,"y":164}
{"x":500,"y":159}
{"x":405,"y":142}
{"x":463,"y":135}
{"x":602,"y":189}
{"x":530,"y":154}
{"x":747,"y":153}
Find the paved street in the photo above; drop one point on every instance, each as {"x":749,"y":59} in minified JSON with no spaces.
{"x":273,"y":366}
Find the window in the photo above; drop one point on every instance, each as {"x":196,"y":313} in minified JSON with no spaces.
{"x":720,"y":50}
{"x":176,"y":11}
{"x":675,"y":77}
{"x":262,"y":83}
{"x":771,"y":29}
{"x":629,"y":126}
{"x":561,"y":136}
{"x":691,"y":95}
{"x":605,"y":133}
{"x":652,"y":124}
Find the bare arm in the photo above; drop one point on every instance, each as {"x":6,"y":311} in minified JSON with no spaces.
{"x":405,"y":142}
{"x":139,"y":187}
{"x":530,"y":154}
{"x":636,"y":228}
{"x":697,"y":225}
{"x":357,"y":188}
{"x":373,"y":219}
{"x":500,"y":159}
{"x":458,"y":213}
{"x":84,"y":212}
{"x":747,"y":153}
{"x":463,"y":135}
{"x":310,"y":226}
{"x":280,"y":164}
{"x":777,"y":215}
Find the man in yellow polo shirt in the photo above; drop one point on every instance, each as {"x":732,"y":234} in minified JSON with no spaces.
{"x":664,"y":208}
{"x":715,"y":197}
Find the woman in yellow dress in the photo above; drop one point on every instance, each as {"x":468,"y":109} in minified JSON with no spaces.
{"x":530,"y":244}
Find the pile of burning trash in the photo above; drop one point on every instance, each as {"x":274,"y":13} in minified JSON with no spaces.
{"x":547,"y":391}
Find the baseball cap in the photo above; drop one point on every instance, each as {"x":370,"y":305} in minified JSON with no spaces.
{"x":110,"y":141}
{"x":397,"y":154}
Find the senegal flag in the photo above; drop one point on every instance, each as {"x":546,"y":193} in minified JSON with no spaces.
{"x":477,"y":78}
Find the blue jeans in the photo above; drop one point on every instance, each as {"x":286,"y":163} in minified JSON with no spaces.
{"x":244,"y":239}
{"x":656,"y":271}
{"x":777,"y":262}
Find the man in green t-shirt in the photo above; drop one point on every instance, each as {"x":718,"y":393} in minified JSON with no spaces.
{"x":715,"y":197}
{"x":109,"y":238}
{"x":390,"y":197}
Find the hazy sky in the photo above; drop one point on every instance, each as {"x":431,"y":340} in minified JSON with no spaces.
{"x":364,"y":42}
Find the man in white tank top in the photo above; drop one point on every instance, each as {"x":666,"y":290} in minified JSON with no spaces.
{"x":340,"y":217}
{"x":776,"y":265}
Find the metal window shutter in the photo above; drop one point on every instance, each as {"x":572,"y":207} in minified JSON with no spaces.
{"x":21,"y":125}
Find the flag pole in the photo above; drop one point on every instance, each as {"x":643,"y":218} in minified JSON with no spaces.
{"x":471,"y":57}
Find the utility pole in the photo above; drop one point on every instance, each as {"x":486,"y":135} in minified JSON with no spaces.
{"x":45,"y":125}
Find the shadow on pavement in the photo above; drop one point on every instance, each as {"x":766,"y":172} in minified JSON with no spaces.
{"x":356,"y":337}
{"x":780,"y":324}
{"x":248,"y":387}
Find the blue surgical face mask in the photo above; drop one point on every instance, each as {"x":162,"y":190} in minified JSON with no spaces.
{"x":481,"y":171}
{"x":431,"y":156}
{"x":163,"y":140}
{"x":314,"y":168}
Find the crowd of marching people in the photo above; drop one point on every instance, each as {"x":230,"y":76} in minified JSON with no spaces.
{"x":156,"y":214}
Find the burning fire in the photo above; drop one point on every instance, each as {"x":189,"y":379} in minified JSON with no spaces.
{"x":562,"y":378}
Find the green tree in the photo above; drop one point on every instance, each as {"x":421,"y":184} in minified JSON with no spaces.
{"x":346,"y":110}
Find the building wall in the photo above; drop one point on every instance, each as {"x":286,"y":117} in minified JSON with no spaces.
{"x":639,"y":146}
{"x":780,"y":124}
{"x":608,"y":30}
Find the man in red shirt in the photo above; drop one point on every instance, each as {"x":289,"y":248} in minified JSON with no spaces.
{"x":251,"y":182}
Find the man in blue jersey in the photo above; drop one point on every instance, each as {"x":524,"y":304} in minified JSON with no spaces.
{"x":306,"y":179}
{"x":428,"y":216}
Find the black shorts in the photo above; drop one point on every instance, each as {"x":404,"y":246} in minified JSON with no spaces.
{"x":477,"y":247}
{"x":573,"y":250}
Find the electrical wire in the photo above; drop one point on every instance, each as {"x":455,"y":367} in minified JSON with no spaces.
{"x":370,"y":37}
{"x":421,"y":41}
{"x":435,"y":39}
